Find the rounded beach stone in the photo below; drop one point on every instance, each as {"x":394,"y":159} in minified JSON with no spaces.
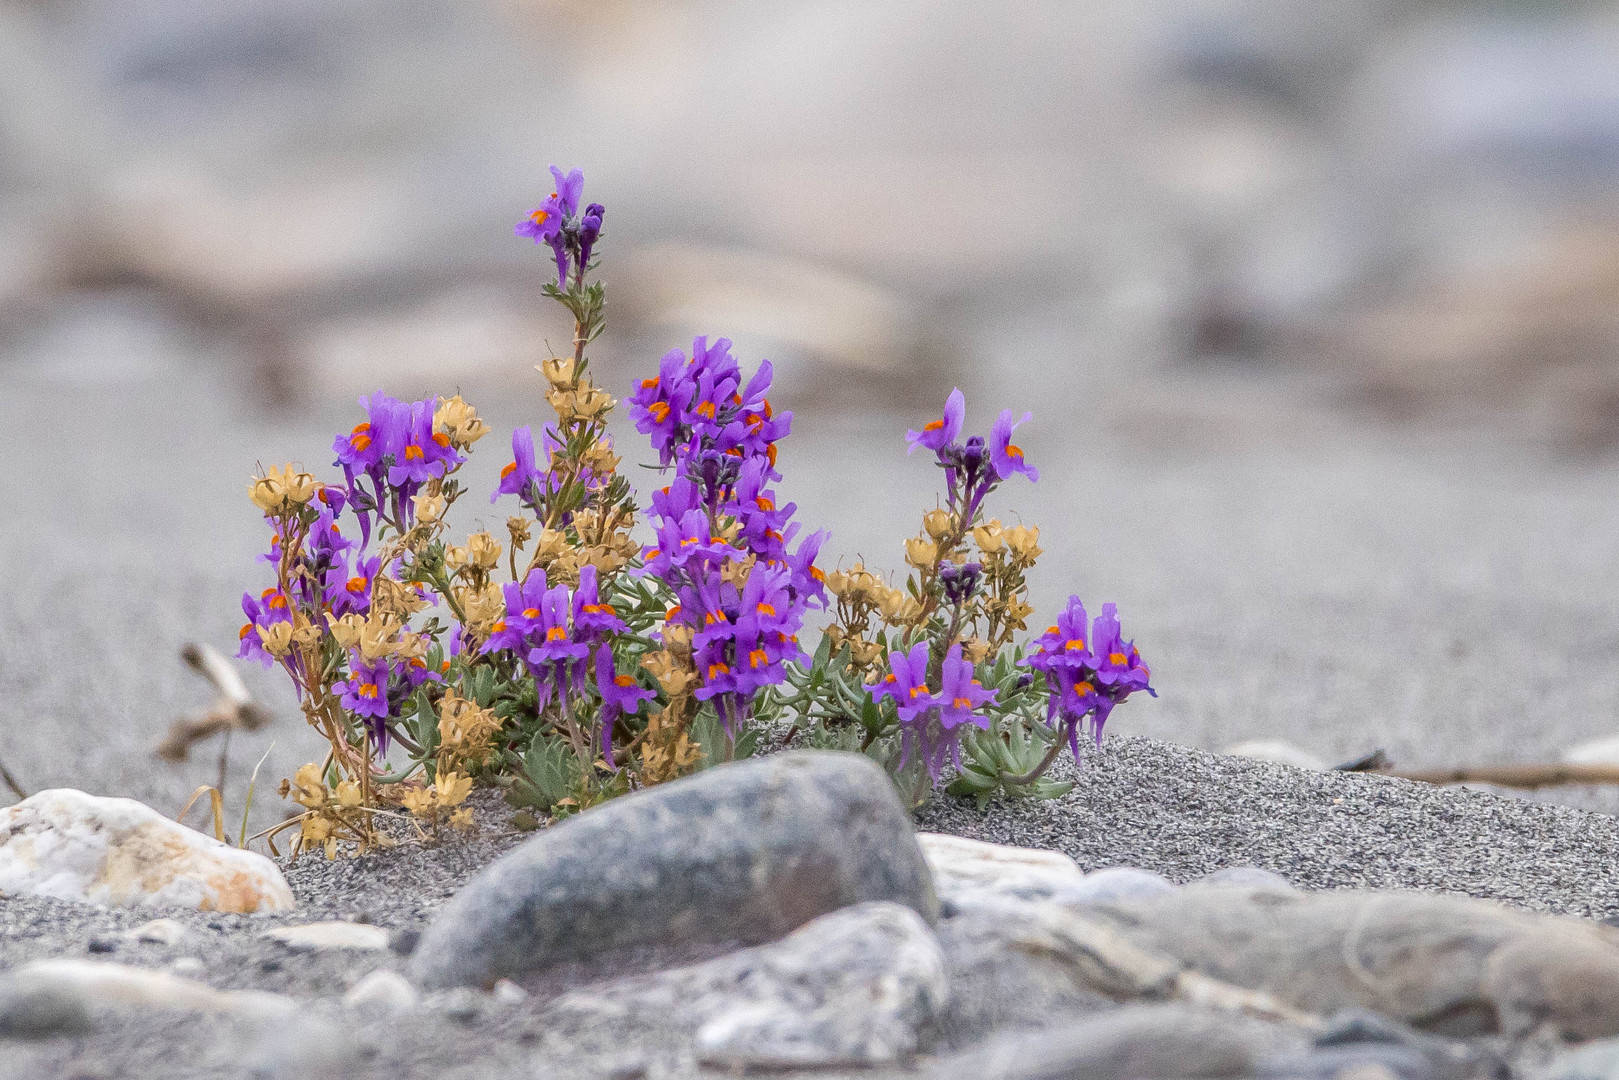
{"x":744,"y":853}
{"x":38,"y":1009}
{"x":1246,"y":877}
{"x":69,"y":845}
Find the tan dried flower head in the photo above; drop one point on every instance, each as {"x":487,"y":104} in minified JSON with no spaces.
{"x":558,"y":371}
{"x":601,"y":460}
{"x":347,"y":629}
{"x":483,"y":551}
{"x":675,"y":676}
{"x":1024,"y":542}
{"x":283,"y":489}
{"x":277,"y":639}
{"x":395,"y":598}
{"x":921,"y":553}
{"x":459,"y":422}
{"x":483,"y":608}
{"x":975,"y":649}
{"x":429,"y":506}
{"x":938,"y":522}
{"x":989,"y":537}
{"x":518,"y":529}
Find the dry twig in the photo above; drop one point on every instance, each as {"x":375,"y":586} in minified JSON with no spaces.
{"x":1514,"y":776}
{"x":234,"y":709}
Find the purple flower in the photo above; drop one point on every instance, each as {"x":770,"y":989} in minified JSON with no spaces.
{"x":266,"y":609}
{"x":938,"y":434}
{"x":362,"y":450}
{"x":1086,"y":680}
{"x":421,"y":455}
{"x":553,"y":223}
{"x":351,"y":594}
{"x":591,"y":617}
{"x":365,"y":691}
{"x":620,"y":694}
{"x":907,"y":683}
{"x":960,"y":694}
{"x":521,"y":477}
{"x":1004,"y":457}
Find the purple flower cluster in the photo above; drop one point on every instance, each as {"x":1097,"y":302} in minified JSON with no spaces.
{"x":396,"y":449}
{"x":558,"y":222}
{"x":1087,"y":677}
{"x":563,"y":638}
{"x":932,"y":721}
{"x":974,"y":468}
{"x":718,"y":435}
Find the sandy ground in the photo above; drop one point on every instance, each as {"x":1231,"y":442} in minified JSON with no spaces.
{"x":1287,"y":572}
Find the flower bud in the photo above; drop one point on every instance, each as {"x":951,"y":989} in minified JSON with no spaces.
{"x":922,"y":554}
{"x":837,"y":583}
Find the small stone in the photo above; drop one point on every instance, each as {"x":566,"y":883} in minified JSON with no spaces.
{"x":744,"y":852}
{"x":1283,"y":753}
{"x":189,"y":967}
{"x":36,"y":1009}
{"x":1116,"y":883}
{"x":383,"y":988}
{"x":507,"y":992}
{"x":965,"y":868}
{"x":312,"y":937}
{"x":1246,"y":877}
{"x":102,"y":945}
{"x":159,"y":932}
{"x":269,"y":965}
{"x":1162,"y":1042}
{"x":120,"y":984}
{"x":1593,"y":1061}
{"x":463,"y":1005}
{"x":111,"y":852}
{"x":404,"y":942}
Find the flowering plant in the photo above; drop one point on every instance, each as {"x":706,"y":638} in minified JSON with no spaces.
{"x":567,"y":662}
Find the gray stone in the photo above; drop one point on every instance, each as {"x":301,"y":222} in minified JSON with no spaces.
{"x":861,"y":986}
{"x":1005,"y":973}
{"x":1115,"y":883}
{"x":1246,"y":877}
{"x":1137,"y":1042}
{"x":1593,"y":1061}
{"x":1446,"y":964}
{"x":36,"y":1009}
{"x":1362,"y":1043}
{"x":741,"y":853}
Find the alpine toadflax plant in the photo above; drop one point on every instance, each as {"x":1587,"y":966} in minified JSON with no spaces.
{"x":571,"y":660}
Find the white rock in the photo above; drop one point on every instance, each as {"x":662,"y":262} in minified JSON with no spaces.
{"x":965,"y":868}
{"x":508,"y":993}
{"x":1115,"y":883}
{"x":121,"y":984}
{"x":189,"y":967}
{"x":69,"y":845}
{"x":1595,"y":752}
{"x":1283,"y":753}
{"x":330,"y":935}
{"x":159,"y":932}
{"x":384,"y":988}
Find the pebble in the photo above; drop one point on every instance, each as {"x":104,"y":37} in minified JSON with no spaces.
{"x":189,"y":967}
{"x":965,"y":868}
{"x":159,"y":932}
{"x":744,"y":852}
{"x":313,"y":937}
{"x":1116,"y":883}
{"x":386,"y":989}
{"x":1246,"y":877}
{"x":102,"y":983}
{"x":507,"y":992}
{"x":33,"y":1008}
{"x":69,"y":845}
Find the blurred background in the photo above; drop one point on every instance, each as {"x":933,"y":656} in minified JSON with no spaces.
{"x":1316,"y":303}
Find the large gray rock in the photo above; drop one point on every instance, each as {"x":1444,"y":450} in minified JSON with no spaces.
{"x":741,"y":853}
{"x":862,"y":986}
{"x":1445,"y":964}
